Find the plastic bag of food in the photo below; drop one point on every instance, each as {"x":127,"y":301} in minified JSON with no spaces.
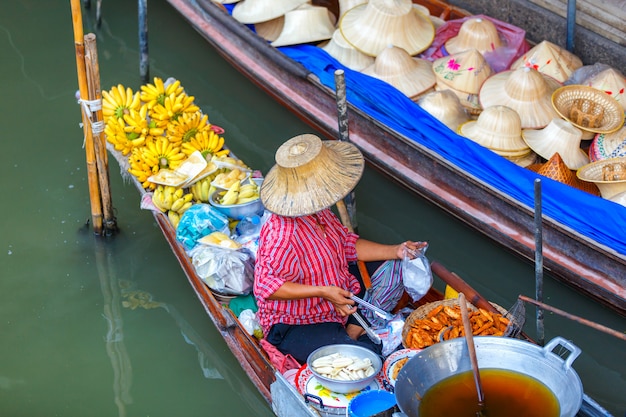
{"x":227,"y":271}
{"x":416,"y":274}
{"x":198,"y":221}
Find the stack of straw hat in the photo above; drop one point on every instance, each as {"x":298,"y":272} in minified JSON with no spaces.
{"x":526,"y":91}
{"x":412,"y":76}
{"x":556,"y":169}
{"x":475,"y":33}
{"x":446,"y":107}
{"x":549,"y":59}
{"x":608,"y":174}
{"x":499,"y":129}
{"x":371,"y":26}
{"x":305,"y":24}
{"x":610,"y":81}
{"x":463,"y":73}
{"x":342,"y":51}
{"x":561,"y":137}
{"x":255,"y":11}
{"x":608,"y":145}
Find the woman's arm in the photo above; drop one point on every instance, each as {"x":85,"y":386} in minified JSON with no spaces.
{"x":368,"y":251}
{"x":339,"y":297}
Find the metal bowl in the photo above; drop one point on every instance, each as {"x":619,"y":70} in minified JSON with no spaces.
{"x":339,"y":386}
{"x":239,"y":211}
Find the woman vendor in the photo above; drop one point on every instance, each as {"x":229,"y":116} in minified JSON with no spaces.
{"x":302,"y":280}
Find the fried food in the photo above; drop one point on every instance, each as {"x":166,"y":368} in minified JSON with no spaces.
{"x":445,"y":323}
{"x":397,"y":367}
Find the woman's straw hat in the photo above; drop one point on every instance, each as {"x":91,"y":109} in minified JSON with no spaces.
{"x":612,"y":82}
{"x":305,"y":25}
{"x":310,"y":175}
{"x":446,"y":107}
{"x":526,"y":91}
{"x":475,"y":33}
{"x":588,"y":108}
{"x":608,"y":145}
{"x":464,"y":71}
{"x":556,"y":169}
{"x":412,"y":76}
{"x":549,"y":59}
{"x":559,"y":136}
{"x":370,"y":27}
{"x":345,"y":53}
{"x":497,"y":128}
{"x":609,"y":175}
{"x":255,"y":11}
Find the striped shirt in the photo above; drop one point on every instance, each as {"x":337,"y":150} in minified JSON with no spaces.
{"x":310,"y":250}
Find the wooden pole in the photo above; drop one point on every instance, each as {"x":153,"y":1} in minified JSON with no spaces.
{"x":144,"y":68}
{"x":97,"y":124}
{"x":92,"y":174}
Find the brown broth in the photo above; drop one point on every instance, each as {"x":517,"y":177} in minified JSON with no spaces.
{"x":507,"y":393}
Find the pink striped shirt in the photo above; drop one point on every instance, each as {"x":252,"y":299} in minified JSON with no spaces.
{"x":297,"y":249}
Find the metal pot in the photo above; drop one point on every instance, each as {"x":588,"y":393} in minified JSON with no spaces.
{"x":451,"y":357}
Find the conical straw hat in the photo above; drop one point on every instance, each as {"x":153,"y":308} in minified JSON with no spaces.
{"x":226,"y":1}
{"x":305,"y":25}
{"x":526,"y":91}
{"x":310,"y":175}
{"x":549,"y":59}
{"x":619,"y":198}
{"x":445,"y":106}
{"x":558,"y":136}
{"x":606,"y":174}
{"x":372,"y":26}
{"x":475,"y":33}
{"x":468,"y":101}
{"x":412,"y":76}
{"x":608,"y":145}
{"x":345,"y":53}
{"x":464,"y":71}
{"x":345,"y":5}
{"x":556,"y":169}
{"x":610,"y":81}
{"x":271,"y":29}
{"x":255,"y":11}
{"x":498,"y":128}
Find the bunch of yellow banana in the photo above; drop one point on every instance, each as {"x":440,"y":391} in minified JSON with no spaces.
{"x":227,"y":179}
{"x":187,"y":126}
{"x":207,"y":142}
{"x":219,"y":239}
{"x":162,"y":153}
{"x":239,"y":194}
{"x":153,"y":94}
{"x":202,"y":189}
{"x":140,"y":168}
{"x":169,"y":198}
{"x":172,"y":108}
{"x":119,"y":101}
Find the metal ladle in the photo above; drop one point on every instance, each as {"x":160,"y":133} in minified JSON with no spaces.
{"x":469,"y":338}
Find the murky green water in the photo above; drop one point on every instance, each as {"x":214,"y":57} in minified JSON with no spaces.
{"x":68,"y":346}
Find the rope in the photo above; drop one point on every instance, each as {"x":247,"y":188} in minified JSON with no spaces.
{"x":89,"y":108}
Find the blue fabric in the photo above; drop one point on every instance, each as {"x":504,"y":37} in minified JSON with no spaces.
{"x":591,"y":216}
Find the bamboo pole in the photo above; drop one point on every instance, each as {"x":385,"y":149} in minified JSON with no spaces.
{"x":97,"y":123}
{"x":92,"y":175}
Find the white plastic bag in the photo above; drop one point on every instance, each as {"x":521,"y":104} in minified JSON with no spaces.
{"x":416,"y":274}
{"x":224,"y":270}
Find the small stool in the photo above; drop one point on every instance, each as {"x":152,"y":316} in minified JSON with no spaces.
{"x":586,"y":113}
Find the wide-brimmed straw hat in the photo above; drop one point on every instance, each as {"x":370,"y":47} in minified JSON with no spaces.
{"x":255,"y":11}
{"x":588,"y":108}
{"x":370,"y":27}
{"x":608,"y":145}
{"x":556,"y":169}
{"x":497,"y":128}
{"x":608,"y":174}
{"x":612,"y":82}
{"x":464,"y":71}
{"x":559,"y":136}
{"x":446,"y":107}
{"x":412,"y":76}
{"x":305,"y":25}
{"x":526,"y":91}
{"x":549,"y":59}
{"x":348,"y":55}
{"x":310,"y":175}
{"x":475,"y":33}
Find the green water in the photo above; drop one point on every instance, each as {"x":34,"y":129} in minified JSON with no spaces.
{"x":68,"y":345}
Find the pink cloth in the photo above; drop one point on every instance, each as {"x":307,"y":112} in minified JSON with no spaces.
{"x":281,"y":362}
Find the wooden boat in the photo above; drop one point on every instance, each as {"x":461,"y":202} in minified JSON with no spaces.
{"x":582,"y":248}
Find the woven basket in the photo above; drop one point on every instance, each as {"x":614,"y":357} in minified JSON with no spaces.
{"x":422,"y":311}
{"x":588,"y":108}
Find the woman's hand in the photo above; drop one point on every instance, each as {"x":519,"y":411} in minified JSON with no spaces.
{"x":340,"y":298}
{"x":411,"y":248}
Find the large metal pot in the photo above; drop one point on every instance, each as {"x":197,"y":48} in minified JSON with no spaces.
{"x":451,"y":357}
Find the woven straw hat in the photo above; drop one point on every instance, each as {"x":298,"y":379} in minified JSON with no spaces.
{"x":619,"y":198}
{"x":310,"y":175}
{"x":612,"y":82}
{"x":305,"y":25}
{"x":469,"y":101}
{"x":412,"y":76}
{"x":345,"y":53}
{"x":549,"y":59}
{"x":526,"y":91}
{"x":497,"y":128}
{"x":370,"y":27}
{"x":588,"y":108}
{"x":559,"y":136}
{"x":464,"y":71}
{"x":446,"y":107}
{"x":607,"y":175}
{"x":556,"y":169}
{"x":255,"y":11}
{"x":271,"y":29}
{"x":475,"y":33}
{"x":608,"y":145}
{"x":226,"y":1}
{"x":345,"y":5}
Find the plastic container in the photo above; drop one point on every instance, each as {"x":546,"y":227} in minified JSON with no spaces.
{"x":377,"y":403}
{"x":248,"y":226}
